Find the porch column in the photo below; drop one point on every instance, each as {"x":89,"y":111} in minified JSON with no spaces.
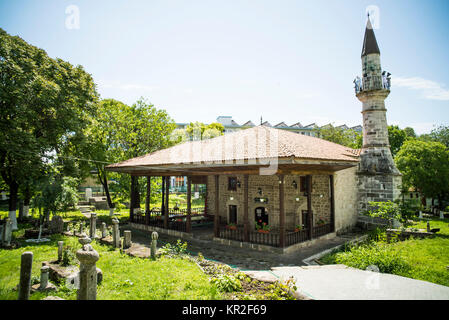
{"x":167,"y":198}
{"x":189,"y":205}
{"x":163,"y":197}
{"x":148,"y":196}
{"x":205,"y":198}
{"x":281,"y":212}
{"x":332,"y":200}
{"x":133,"y":197}
{"x":217,"y":208}
{"x":245,"y":209}
{"x":309,"y":205}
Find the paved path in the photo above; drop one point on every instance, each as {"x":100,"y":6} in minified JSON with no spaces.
{"x":331,"y":282}
{"x":244,"y":259}
{"x":339,"y":282}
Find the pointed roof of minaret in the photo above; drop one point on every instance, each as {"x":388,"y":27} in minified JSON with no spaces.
{"x":369,"y":42}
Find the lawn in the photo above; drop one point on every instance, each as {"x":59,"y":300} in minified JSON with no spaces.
{"x":124,"y":277}
{"x":422,"y":259}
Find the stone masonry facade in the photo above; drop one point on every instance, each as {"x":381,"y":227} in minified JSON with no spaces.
{"x":294,"y":200}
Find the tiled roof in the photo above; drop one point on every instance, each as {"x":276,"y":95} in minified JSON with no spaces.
{"x":259,"y":142}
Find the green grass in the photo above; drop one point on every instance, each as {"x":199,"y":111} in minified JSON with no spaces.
{"x":422,"y":259}
{"x":124,"y":277}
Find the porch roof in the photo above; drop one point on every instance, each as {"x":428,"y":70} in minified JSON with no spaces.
{"x":243,"y":151}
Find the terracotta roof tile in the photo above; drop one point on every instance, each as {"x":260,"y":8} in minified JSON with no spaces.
{"x":259,"y":142}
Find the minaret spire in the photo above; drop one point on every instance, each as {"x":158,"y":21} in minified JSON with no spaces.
{"x":369,"y":42}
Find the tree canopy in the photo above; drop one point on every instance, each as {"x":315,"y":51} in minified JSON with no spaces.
{"x":44,"y":103}
{"x":425,"y":166}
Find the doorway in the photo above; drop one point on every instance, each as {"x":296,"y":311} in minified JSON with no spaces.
{"x":232,"y":214}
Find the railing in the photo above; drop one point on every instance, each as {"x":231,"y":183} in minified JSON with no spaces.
{"x":177,"y":219}
{"x":272,"y":238}
{"x":232,"y":234}
{"x":321,"y":230}
{"x":269,"y":239}
{"x":296,"y":237}
{"x":372,"y":83}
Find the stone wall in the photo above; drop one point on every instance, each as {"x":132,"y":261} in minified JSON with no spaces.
{"x":295,"y":201}
{"x":345,"y":186}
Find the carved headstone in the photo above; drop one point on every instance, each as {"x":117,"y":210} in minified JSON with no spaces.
{"x":26,"y":265}
{"x":57,"y":224}
{"x":104,"y":230}
{"x":154,"y":237}
{"x":88,"y":271}
{"x":127,"y":239}
{"x":93,"y":225}
{"x":115,"y":233}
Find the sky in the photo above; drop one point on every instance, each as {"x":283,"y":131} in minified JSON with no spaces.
{"x":291,"y":61}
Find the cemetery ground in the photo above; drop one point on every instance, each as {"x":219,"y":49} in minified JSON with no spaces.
{"x":422,"y":259}
{"x":174,"y":275}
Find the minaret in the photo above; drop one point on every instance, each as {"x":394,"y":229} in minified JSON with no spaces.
{"x":378,"y":177}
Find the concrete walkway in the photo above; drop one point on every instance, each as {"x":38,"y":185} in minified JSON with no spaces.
{"x":329,"y":282}
{"x":339,"y":282}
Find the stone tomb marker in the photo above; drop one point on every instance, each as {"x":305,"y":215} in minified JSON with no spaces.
{"x":127,"y":239}
{"x":93,"y":225}
{"x":115,"y":233}
{"x":60,"y":244}
{"x":26,"y":265}
{"x":154,"y":237}
{"x":104,"y":230}
{"x":88,"y":271}
{"x":7,"y":232}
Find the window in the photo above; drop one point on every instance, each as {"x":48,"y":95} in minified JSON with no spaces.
{"x":232,"y":184}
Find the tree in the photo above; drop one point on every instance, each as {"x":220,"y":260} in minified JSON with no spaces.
{"x":120,"y":132}
{"x":410,"y":132}
{"x":441,"y":134}
{"x":425,"y":166}
{"x":348,"y":137}
{"x":396,"y":137}
{"x":44,"y":101}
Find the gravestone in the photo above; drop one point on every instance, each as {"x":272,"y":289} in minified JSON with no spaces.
{"x":93,"y":225}
{"x":154,"y":237}
{"x":26,"y":265}
{"x":115,"y":233}
{"x":88,"y":271}
{"x":60,"y":244}
{"x":57,"y":224}
{"x":44,"y":284}
{"x":127,"y":239}
{"x":7,"y":232}
{"x":104,"y":230}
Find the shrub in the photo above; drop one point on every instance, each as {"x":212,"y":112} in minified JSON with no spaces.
{"x":68,"y":256}
{"x":381,"y":255}
{"x":227,"y":283}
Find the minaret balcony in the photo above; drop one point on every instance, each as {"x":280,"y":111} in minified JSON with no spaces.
{"x":370,"y":83}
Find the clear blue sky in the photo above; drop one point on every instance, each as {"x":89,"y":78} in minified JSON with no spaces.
{"x":284,"y":60}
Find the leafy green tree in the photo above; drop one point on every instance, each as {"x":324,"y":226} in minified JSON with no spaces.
{"x":396,"y":137}
{"x":425,"y":166}
{"x":348,"y":137}
{"x":120,"y":132}
{"x":410,"y":132}
{"x":441,"y":134}
{"x":44,"y":102}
